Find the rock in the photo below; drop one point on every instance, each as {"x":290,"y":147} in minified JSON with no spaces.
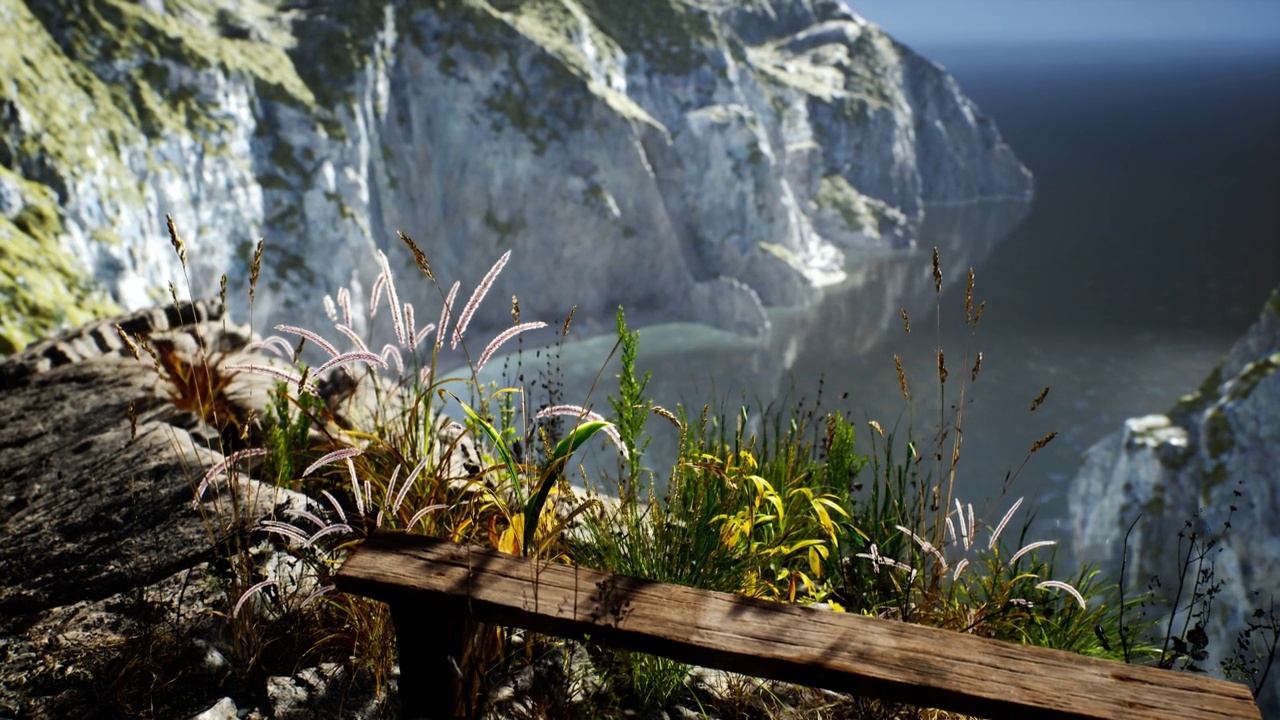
{"x":635,"y":155}
{"x":1213,"y":460}
{"x":730,"y":305}
{"x":11,"y":202}
{"x":212,"y":661}
{"x":224,"y":709}
{"x":289,"y":700}
{"x":112,"y":497}
{"x":326,"y":691}
{"x":105,"y":572}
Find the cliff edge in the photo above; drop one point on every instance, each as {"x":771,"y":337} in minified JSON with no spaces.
{"x":631,"y":154}
{"x":1213,"y":460}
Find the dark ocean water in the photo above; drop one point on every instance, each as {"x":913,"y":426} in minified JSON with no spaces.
{"x":1152,"y":242}
{"x":1150,"y":246}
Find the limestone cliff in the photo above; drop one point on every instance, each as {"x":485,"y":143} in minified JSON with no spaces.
{"x":1213,"y":459}
{"x":693,"y":158}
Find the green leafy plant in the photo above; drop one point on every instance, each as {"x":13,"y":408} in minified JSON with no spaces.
{"x":631,"y":408}
{"x":795,"y":512}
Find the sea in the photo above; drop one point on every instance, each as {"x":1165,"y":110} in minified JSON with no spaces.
{"x":1151,"y":244}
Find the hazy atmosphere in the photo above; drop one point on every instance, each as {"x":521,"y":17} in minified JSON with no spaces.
{"x":818,"y":316}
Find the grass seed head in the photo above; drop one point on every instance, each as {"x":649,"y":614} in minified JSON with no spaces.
{"x":968,"y":300}
{"x":906,"y":321}
{"x":418,"y":256}
{"x":1039,"y":444}
{"x":568,"y":321}
{"x":477,"y":296}
{"x":253,"y":270}
{"x":132,"y":414}
{"x":902,"y":378}
{"x":128,"y":342}
{"x":667,"y":415}
{"x":178,"y":245}
{"x":1040,"y":398}
{"x":937,"y":272}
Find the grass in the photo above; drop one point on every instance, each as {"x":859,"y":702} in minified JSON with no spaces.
{"x":811,"y":508}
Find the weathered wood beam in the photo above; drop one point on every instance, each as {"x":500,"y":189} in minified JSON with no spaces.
{"x":890,"y":660}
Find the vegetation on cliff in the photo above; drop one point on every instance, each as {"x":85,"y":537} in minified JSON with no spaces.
{"x":795,"y":511}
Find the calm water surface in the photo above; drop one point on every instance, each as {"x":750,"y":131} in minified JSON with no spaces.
{"x":1152,"y":242}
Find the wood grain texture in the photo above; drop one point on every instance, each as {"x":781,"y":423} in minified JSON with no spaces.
{"x":879,"y":658}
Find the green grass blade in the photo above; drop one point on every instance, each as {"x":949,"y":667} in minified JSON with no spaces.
{"x":555,"y":468}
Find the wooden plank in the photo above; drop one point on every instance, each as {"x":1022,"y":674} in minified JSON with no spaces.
{"x":891,"y":660}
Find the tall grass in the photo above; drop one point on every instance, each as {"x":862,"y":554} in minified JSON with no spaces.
{"x":812,"y":508}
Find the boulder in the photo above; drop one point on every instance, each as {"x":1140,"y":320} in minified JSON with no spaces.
{"x":111,"y":577}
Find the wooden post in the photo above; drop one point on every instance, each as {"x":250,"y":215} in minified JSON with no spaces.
{"x":431,"y":638}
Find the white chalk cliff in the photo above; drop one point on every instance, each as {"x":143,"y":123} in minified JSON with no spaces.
{"x":698,"y":159}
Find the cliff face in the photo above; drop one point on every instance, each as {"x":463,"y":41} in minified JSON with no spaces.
{"x":694,"y":158}
{"x":1213,"y":459}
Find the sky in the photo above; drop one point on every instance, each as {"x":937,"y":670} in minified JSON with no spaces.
{"x":987,"y":22}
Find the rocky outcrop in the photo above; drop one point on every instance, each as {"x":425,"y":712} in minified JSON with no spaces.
{"x":634,"y":156}
{"x":111,"y":579}
{"x":93,"y":500}
{"x":1213,"y":460}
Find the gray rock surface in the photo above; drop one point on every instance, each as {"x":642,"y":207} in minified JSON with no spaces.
{"x":224,"y":709}
{"x":105,"y":562}
{"x":74,"y":477}
{"x":1213,"y":459}
{"x":626,"y":155}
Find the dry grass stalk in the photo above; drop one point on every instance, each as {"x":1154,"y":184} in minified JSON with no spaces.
{"x":418,"y":256}
{"x":1040,"y":398}
{"x":906,"y":321}
{"x":393,"y":299}
{"x":502,"y":338}
{"x":977,"y":365}
{"x":254,"y":269}
{"x":667,"y":415}
{"x":968,"y":300}
{"x":128,"y":342}
{"x":176,"y":241}
{"x":155,"y":356}
{"x":446,"y":312}
{"x":132,"y":414}
{"x":1039,"y":444}
{"x":564,"y":331}
{"x":477,"y":296}
{"x":937,"y":272}
{"x":902,"y":378}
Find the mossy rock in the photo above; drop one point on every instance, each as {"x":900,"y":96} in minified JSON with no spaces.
{"x":42,"y":288}
{"x":1219,"y":437}
{"x":671,"y":35}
